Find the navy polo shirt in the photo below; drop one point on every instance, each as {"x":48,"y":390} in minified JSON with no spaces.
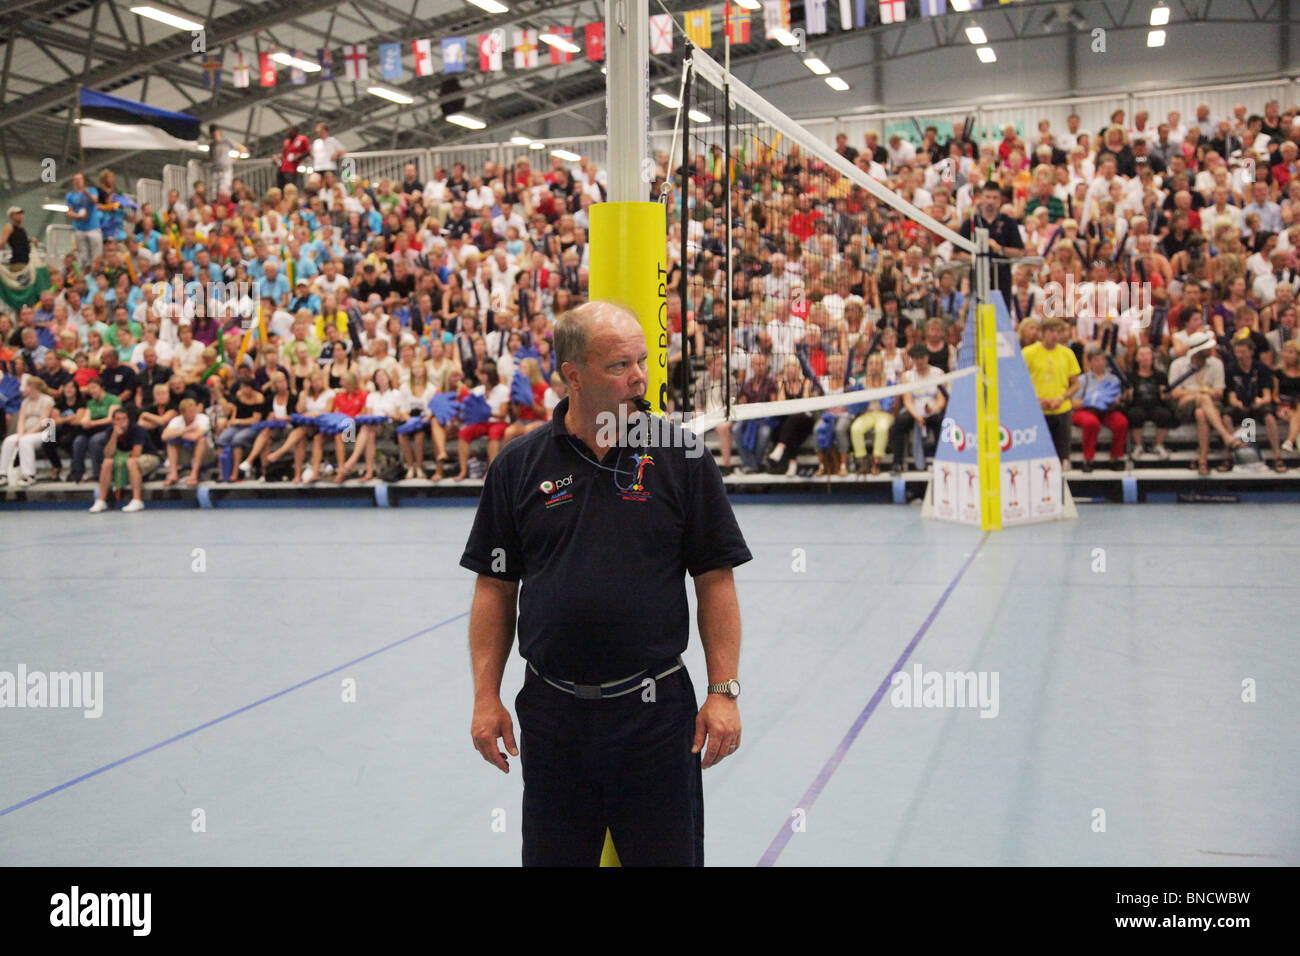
{"x":602,"y":557}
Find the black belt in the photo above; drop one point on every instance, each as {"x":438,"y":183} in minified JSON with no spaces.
{"x":613,"y":688}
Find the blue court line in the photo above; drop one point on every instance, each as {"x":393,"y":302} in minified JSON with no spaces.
{"x":810,"y":797}
{"x":233,"y":713}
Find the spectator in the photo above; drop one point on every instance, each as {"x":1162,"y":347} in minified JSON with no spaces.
{"x":1098,"y":405}
{"x":129,"y":458}
{"x":1248,"y":390}
{"x":921,"y":407}
{"x":1055,"y":373}
{"x":33,"y":421}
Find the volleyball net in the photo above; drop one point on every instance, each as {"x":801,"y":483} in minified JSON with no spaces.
{"x":770,"y":243}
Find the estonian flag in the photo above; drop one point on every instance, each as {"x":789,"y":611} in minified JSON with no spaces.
{"x":110,"y":122}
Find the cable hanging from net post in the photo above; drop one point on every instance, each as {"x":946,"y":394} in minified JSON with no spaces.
{"x":684,"y":281}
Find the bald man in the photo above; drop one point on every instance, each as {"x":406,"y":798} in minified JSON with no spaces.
{"x":600,"y":526}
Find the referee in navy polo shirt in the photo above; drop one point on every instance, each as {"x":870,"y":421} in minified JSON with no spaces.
{"x":601,"y":526}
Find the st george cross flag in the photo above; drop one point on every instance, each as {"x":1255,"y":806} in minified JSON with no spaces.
{"x":423,"y":57}
{"x":453,"y":55}
{"x":296,"y":76}
{"x":390,"y":61}
{"x":358,"y":67}
{"x":699,"y":28}
{"x":776,"y":16}
{"x":239,"y":70}
{"x":595,"y":41}
{"x":558,"y":55}
{"x":525,"y":49}
{"x":661,"y":33}
{"x":325,"y":57}
{"x":737,"y":24}
{"x":816,"y":11}
{"x":934,"y":8}
{"x":892,"y":11}
{"x":489,"y":51}
{"x":266,"y":68}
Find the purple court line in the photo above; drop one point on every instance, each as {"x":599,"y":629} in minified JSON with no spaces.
{"x":814,"y":791}
{"x":233,"y":713}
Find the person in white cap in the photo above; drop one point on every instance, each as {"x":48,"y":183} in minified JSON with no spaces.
{"x":1196,"y":382}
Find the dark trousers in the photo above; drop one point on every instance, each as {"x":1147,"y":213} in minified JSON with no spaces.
{"x":1060,"y":425}
{"x":624,"y":764}
{"x":793,"y":432}
{"x":900,"y":433}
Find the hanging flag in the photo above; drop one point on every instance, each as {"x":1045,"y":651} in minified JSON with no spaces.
{"x":860,"y":12}
{"x":423,"y":57}
{"x":846,"y":14}
{"x":453,"y":55}
{"x":934,"y":8}
{"x":525,"y":49}
{"x":212,"y":73}
{"x":325,"y":57}
{"x":240,"y":71}
{"x":776,"y":16}
{"x":558,"y":55}
{"x":358,"y":67}
{"x":699,"y":28}
{"x":126,"y":124}
{"x":595,"y":41}
{"x":816,"y":15}
{"x":661,"y":33}
{"x":737,"y":24}
{"x":489,"y":51}
{"x":296,"y":76}
{"x":266,"y":68}
{"x":390,"y":61}
{"x":892,"y":11}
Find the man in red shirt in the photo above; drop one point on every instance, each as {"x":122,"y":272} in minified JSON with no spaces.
{"x":296,"y":147}
{"x":802,"y":222}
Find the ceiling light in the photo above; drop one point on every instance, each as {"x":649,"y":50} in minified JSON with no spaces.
{"x":976,"y":36}
{"x":536,"y":145}
{"x":391,"y":95}
{"x":555,"y":40}
{"x":986,"y":54}
{"x":961,"y":6}
{"x":699,"y":117}
{"x":817,"y":66}
{"x":1156,"y":38}
{"x":835,"y":83}
{"x":1159,"y":15}
{"x":307,"y":66}
{"x":783,"y":37}
{"x":749,"y":4}
{"x":519,"y":139}
{"x":467,"y":121}
{"x":565,"y":155}
{"x":491,"y":6}
{"x":177,"y":20}
{"x":55,"y":207}
{"x":663,"y":99}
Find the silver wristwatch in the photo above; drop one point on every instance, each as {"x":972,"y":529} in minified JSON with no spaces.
{"x":730,"y":688}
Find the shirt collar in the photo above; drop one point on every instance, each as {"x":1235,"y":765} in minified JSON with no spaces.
{"x":558,"y":428}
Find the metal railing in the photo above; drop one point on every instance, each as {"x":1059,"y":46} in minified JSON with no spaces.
{"x":58,"y":243}
{"x":150,"y":192}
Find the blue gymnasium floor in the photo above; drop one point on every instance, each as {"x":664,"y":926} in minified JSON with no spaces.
{"x":1119,"y":691}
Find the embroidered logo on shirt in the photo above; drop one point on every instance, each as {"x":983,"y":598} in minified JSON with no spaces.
{"x":637,"y":490}
{"x":558,"y":491}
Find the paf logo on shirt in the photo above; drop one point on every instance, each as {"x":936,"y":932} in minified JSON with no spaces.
{"x":559,"y":490}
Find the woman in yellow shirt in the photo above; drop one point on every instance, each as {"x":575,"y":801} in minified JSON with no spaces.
{"x":1055,"y":372}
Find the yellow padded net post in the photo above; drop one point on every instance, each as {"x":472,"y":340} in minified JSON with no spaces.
{"x":986,"y":396}
{"x":629,"y":267}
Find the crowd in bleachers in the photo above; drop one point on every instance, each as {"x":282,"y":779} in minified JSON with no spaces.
{"x":378,"y":297}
